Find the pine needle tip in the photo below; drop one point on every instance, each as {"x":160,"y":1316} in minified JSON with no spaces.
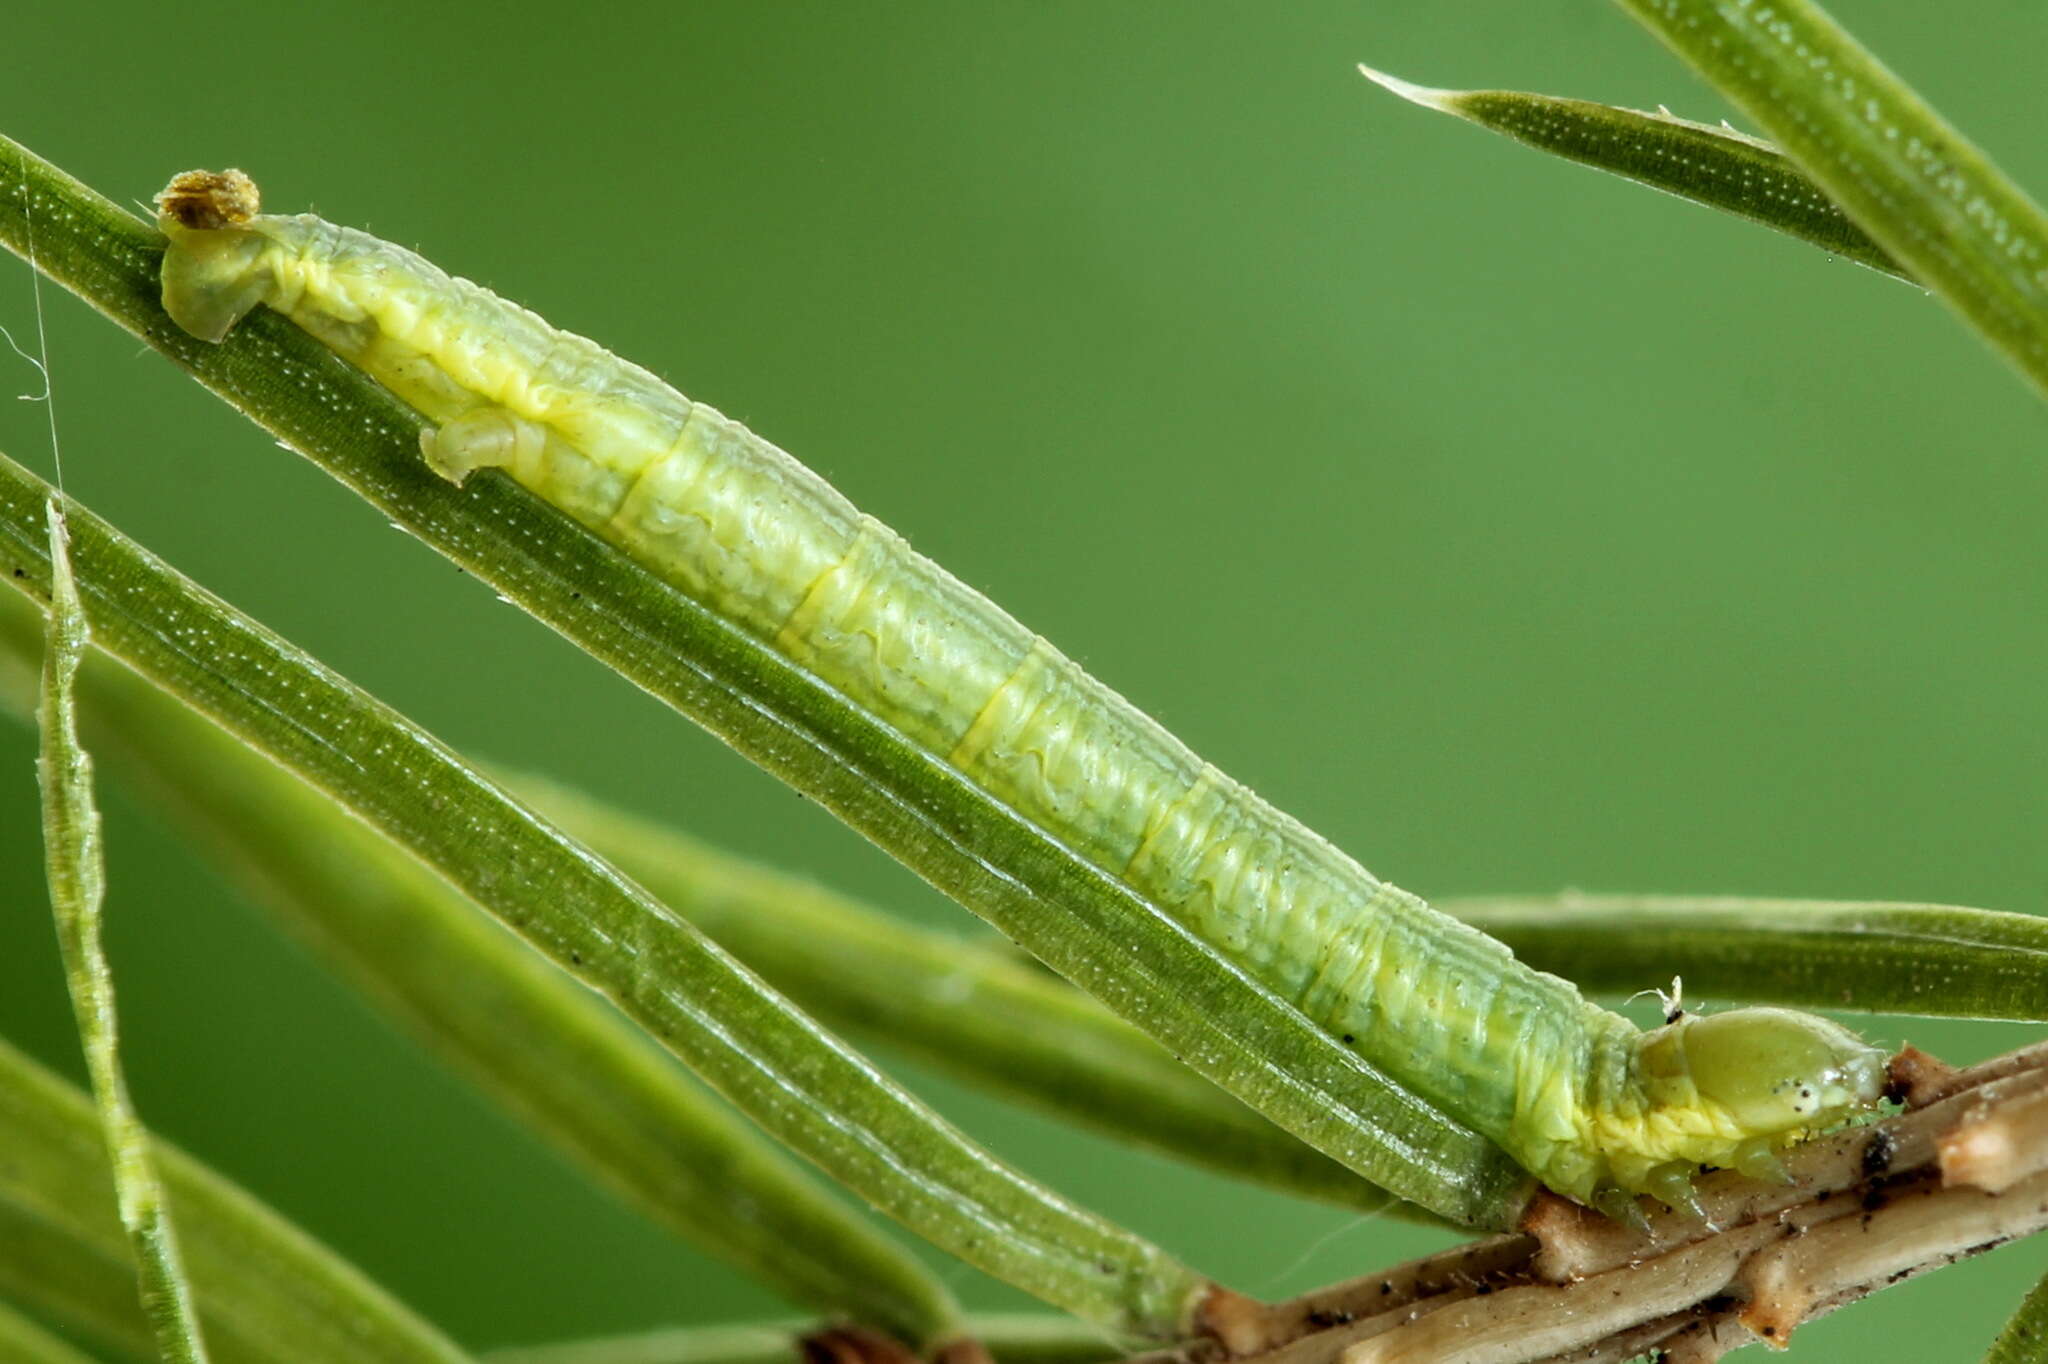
{"x":1415,"y":94}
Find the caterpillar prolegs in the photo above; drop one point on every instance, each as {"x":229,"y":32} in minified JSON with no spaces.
{"x":1594,"y":1107}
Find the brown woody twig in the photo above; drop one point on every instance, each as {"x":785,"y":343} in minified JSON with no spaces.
{"x":1963,"y":1169}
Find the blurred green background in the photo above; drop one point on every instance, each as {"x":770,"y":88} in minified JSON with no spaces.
{"x":1516,"y":527}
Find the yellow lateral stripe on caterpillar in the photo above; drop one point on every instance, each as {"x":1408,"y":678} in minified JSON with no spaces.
{"x":1587,"y":1102}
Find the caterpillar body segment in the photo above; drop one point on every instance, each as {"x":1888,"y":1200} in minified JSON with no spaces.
{"x":1588,"y":1103}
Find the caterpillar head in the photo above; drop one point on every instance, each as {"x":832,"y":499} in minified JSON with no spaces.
{"x":210,"y":276}
{"x":1772,"y":1071}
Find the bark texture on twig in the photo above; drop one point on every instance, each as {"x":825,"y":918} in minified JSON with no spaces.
{"x":1963,"y":1169}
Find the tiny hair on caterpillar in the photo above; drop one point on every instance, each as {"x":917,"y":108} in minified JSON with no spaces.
{"x":1591,"y":1105}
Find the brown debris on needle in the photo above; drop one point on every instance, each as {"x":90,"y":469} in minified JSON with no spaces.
{"x":851,"y":1344}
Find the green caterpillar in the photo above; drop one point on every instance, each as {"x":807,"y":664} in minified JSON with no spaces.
{"x":1594,"y":1107}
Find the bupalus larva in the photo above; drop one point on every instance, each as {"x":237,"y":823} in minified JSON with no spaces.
{"x":1594,"y":1107}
